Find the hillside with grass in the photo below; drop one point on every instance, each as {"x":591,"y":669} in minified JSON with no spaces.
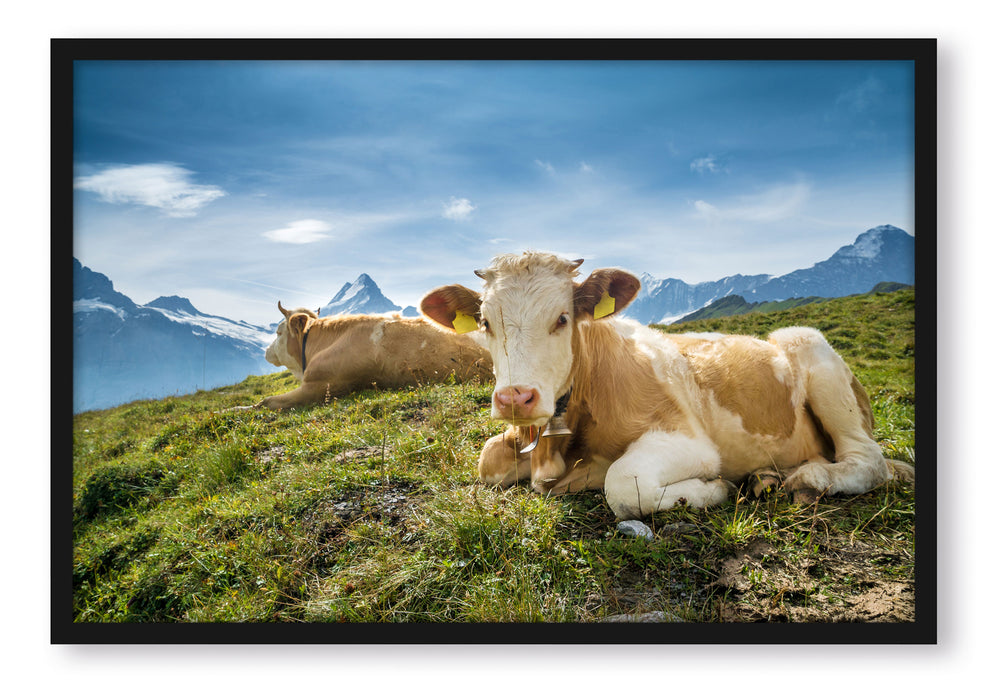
{"x":368,"y":509}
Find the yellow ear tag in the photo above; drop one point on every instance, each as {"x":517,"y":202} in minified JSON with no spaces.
{"x":464,"y":323}
{"x":605,"y":307}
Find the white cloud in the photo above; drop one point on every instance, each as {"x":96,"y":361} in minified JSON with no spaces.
{"x":300,"y":232}
{"x":707,"y":211}
{"x":458,"y":209}
{"x":160,"y":185}
{"x":545,"y":166}
{"x":708,"y":164}
{"x":585,"y":168}
{"x":775,"y":204}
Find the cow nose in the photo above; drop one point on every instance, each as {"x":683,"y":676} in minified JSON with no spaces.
{"x":516,"y":401}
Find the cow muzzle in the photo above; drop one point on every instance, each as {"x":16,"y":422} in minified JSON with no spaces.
{"x":519,"y":405}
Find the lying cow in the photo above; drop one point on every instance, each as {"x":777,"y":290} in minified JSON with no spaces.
{"x":654,"y":419}
{"x":336,"y":355}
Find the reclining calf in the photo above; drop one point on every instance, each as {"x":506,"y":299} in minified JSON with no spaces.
{"x":654,"y":419}
{"x":336,"y":355}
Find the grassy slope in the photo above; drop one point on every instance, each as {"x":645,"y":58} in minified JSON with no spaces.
{"x":367,"y":509}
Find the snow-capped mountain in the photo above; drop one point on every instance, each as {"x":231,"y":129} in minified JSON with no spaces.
{"x":181,"y":310}
{"x":663,"y":300}
{"x":362,"y":296}
{"x":123,"y":351}
{"x":882,"y":254}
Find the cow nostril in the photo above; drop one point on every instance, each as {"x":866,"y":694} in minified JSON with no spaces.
{"x":516,"y":397}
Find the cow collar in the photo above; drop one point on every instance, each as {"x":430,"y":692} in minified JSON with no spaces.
{"x":555,"y":426}
{"x":305,"y":335}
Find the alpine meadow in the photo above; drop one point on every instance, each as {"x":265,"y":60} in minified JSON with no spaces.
{"x":368,"y":509}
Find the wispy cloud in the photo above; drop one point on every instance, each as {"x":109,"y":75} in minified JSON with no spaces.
{"x":775,"y":204}
{"x":707,"y":164}
{"x":862,"y":97}
{"x":164,"y":186}
{"x":585,"y":168}
{"x":458,"y":209}
{"x":546,"y":167}
{"x":300,"y":232}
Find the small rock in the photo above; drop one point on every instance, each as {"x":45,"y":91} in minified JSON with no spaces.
{"x":635,"y":528}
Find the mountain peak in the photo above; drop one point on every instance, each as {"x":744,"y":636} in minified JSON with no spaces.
{"x":94,"y":286}
{"x":871,"y":244}
{"x":362,"y":296}
{"x":174,"y":303}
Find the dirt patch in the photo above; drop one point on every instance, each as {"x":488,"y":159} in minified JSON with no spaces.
{"x":841,"y":585}
{"x":359,"y":454}
{"x":328,"y":522}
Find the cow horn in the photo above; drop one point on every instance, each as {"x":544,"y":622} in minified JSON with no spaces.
{"x":285,"y":312}
{"x":575,"y":264}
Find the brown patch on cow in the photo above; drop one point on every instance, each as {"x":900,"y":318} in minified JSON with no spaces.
{"x":739,"y":371}
{"x":617,"y":394}
{"x":863,"y":399}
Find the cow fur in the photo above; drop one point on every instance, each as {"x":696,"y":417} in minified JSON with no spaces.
{"x":657,"y":419}
{"x":350,"y":352}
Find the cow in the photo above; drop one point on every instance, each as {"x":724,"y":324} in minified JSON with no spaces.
{"x":336,"y":355}
{"x":654,"y":419}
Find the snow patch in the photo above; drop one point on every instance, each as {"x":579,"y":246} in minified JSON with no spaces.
{"x":220,"y":326}
{"x":91,"y":305}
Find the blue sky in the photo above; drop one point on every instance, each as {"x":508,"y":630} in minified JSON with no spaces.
{"x":239,"y":184}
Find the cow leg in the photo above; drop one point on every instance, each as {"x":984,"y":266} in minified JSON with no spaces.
{"x":500,"y":463}
{"x":661,"y":470}
{"x":842,"y":407}
{"x":308,"y":394}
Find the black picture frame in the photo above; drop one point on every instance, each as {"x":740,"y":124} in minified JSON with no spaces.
{"x":66,"y":51}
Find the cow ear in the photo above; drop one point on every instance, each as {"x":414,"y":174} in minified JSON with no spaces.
{"x":444,"y":305}
{"x":605,"y":292}
{"x":299,"y":322}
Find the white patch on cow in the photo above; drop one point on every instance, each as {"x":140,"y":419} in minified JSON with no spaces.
{"x":422,"y":345}
{"x":277,"y":353}
{"x":704,"y":336}
{"x":659,"y":469}
{"x":378,"y":333}
{"x":527,"y":348}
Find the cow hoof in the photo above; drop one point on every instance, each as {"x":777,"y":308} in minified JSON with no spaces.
{"x":805,"y":496}
{"x":762,"y":483}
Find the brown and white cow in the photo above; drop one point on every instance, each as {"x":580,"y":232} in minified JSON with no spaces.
{"x":339,"y":354}
{"x":654,"y":419}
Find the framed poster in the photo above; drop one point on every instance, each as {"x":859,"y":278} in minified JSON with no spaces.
{"x":208,"y":189}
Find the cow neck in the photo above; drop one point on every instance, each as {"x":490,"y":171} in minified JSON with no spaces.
{"x":305,"y":335}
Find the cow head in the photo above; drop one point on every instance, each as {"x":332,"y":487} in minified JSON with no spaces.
{"x":525,"y":317}
{"x":286,"y":349}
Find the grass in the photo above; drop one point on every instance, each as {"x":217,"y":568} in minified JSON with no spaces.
{"x":367,"y":509}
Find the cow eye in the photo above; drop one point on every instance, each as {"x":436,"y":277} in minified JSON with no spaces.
{"x":484,"y":325}
{"x":561,"y":321}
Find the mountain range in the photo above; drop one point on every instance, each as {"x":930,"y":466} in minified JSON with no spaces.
{"x":882,"y":254}
{"x":123,"y":351}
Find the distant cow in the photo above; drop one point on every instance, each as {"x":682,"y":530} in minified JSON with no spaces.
{"x":339,"y":354}
{"x":654,"y":419}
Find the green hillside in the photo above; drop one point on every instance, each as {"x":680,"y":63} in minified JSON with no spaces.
{"x":734,"y":305}
{"x":368,"y":509}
